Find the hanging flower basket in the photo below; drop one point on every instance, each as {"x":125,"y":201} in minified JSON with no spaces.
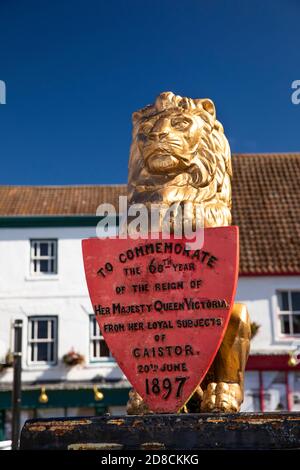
{"x":8,"y":361}
{"x":73,"y":358}
{"x":254,"y":329}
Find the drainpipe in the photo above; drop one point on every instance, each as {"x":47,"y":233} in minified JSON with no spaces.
{"x":16,"y":392}
{"x":288,"y":392}
{"x":261,"y":392}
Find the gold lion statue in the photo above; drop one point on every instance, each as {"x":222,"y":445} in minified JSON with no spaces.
{"x":179,"y":154}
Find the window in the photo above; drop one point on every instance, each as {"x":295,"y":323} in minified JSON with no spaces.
{"x":289,"y":312}
{"x":98,"y":346}
{"x":43,"y":259}
{"x":42,"y":340}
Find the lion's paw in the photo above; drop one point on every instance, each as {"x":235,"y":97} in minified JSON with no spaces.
{"x":136,"y":405}
{"x":222,"y":397}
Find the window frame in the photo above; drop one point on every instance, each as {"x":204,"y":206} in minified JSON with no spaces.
{"x":289,"y":313}
{"x":31,"y":341}
{"x":92,"y":338}
{"x":39,"y":257}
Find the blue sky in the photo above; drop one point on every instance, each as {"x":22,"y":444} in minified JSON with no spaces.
{"x":75,"y":71}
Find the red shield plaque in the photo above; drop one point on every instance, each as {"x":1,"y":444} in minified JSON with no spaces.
{"x":162,"y":309}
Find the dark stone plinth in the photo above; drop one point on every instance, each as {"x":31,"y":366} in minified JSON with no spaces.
{"x":190,"y":432}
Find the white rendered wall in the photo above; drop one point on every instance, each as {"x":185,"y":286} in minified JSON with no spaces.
{"x":259,"y":294}
{"x":64,"y":295}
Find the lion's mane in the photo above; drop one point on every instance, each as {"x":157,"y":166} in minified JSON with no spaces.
{"x":206,"y":181}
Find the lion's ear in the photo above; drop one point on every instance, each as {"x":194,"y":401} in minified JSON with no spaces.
{"x":209,"y":106}
{"x":136,"y":116}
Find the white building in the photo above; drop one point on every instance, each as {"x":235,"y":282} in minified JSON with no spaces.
{"x":266,"y":196}
{"x":42,"y":282}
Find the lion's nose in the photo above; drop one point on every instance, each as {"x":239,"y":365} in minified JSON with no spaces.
{"x":157,"y":136}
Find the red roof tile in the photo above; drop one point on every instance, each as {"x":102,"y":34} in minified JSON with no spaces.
{"x":57,"y":200}
{"x":266,"y":207}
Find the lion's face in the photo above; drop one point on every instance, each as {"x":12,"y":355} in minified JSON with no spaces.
{"x":168,"y":141}
{"x":179,"y":153}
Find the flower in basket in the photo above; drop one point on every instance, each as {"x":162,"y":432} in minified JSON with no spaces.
{"x":8,"y":361}
{"x":254,"y":329}
{"x":73,"y":358}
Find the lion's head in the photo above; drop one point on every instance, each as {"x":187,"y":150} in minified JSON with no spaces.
{"x":180,"y":154}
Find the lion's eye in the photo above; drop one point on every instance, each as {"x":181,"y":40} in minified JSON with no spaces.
{"x":180,"y":123}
